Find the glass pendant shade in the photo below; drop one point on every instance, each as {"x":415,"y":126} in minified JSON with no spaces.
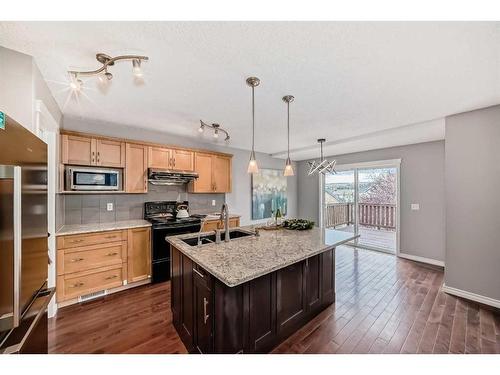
{"x":288,"y":168}
{"x":253,"y":168}
{"x":252,"y":164}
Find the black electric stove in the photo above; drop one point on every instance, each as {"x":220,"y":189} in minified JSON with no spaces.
{"x":162,"y":215}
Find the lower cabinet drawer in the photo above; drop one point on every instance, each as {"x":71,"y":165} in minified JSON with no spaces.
{"x":85,"y":239}
{"x":95,"y":256}
{"x":81,"y":283}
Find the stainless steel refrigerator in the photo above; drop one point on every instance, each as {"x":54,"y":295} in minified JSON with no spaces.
{"x":23,"y":240}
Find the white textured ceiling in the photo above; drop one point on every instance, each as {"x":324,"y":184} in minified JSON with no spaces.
{"x":352,"y":81}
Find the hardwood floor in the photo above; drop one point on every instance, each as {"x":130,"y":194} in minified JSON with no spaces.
{"x":384,"y":305}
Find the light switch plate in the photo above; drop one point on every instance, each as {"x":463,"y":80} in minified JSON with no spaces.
{"x":213,"y":202}
{"x":109,"y":206}
{"x":415,"y":206}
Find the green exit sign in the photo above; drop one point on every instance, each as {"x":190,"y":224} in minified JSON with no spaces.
{"x":2,"y":120}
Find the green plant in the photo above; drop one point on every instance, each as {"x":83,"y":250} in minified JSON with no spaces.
{"x":298,"y":224}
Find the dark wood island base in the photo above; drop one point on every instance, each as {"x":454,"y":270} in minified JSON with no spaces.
{"x":253,"y":317}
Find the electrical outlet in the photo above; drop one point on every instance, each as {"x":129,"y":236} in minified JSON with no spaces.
{"x":213,"y":202}
{"x":415,"y":206}
{"x":109,"y":206}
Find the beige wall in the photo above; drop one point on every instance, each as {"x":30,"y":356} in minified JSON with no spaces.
{"x":472,"y":202}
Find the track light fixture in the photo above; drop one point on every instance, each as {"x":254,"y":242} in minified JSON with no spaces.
{"x":106,"y":61}
{"x":216,"y":128}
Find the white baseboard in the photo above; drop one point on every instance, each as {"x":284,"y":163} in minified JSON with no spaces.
{"x":472,"y":296}
{"x":434,"y":262}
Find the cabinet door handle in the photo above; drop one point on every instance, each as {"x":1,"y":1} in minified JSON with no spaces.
{"x":93,"y":156}
{"x":77,"y":260}
{"x":198,"y":272}
{"x":98,"y":156}
{"x":174,"y":162}
{"x":76,"y":285}
{"x":110,"y":236}
{"x":205,"y":315}
{"x":112,"y":254}
{"x":77,"y":241}
{"x":111,"y":277}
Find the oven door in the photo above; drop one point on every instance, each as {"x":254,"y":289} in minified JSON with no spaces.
{"x":92,"y":179}
{"x":161,"y":248}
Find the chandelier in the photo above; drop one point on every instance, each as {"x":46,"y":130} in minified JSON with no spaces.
{"x":323,"y":165}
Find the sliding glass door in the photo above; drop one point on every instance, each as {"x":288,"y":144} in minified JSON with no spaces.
{"x":363,"y":199}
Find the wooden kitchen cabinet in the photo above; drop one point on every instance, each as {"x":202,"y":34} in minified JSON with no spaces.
{"x":222,"y":174}
{"x":214,"y":173}
{"x":202,"y":313}
{"x":291,"y":297}
{"x":173,"y":159}
{"x":158,"y":157}
{"x":138,"y":254}
{"x":110,"y":153}
{"x":182,"y":160}
{"x":136,"y":171}
{"x":78,"y":150}
{"x":252,"y":317}
{"x":313,"y":282}
{"x":211,"y":225}
{"x":203,"y":165}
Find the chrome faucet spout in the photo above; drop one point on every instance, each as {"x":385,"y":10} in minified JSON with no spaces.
{"x":224,"y":215}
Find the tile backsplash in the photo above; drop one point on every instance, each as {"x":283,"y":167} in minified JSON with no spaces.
{"x":92,"y":208}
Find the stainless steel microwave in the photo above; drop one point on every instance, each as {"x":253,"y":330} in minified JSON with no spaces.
{"x":81,"y":178}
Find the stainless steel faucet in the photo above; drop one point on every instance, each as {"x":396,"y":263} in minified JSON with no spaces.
{"x":201,"y":230}
{"x":224,"y":213}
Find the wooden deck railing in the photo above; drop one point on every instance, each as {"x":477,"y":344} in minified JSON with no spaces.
{"x":370,"y":214}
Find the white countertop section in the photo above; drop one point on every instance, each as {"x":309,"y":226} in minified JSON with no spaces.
{"x":101,"y":227}
{"x":246,"y":258}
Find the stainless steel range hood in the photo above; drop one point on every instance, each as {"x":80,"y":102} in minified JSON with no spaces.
{"x":169,"y":177}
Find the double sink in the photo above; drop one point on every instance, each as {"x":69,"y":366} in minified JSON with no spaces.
{"x":210,"y":238}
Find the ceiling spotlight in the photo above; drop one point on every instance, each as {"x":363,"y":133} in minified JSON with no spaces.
{"x":201,"y":128}
{"x":75,"y":83}
{"x":136,"y":63}
{"x":105,"y":77}
{"x":216,"y":133}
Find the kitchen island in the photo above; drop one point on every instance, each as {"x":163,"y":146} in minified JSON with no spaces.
{"x":249,"y":294}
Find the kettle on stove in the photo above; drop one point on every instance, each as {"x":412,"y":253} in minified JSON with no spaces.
{"x":182,"y":211}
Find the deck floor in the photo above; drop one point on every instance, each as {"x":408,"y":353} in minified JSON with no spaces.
{"x":377,"y":238}
{"x":383,"y":305}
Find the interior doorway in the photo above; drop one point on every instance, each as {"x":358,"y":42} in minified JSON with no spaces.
{"x":364,"y":199}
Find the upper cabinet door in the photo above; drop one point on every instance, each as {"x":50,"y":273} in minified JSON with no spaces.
{"x":78,"y":150}
{"x":222,"y":174}
{"x":203,"y":164}
{"x":159,"y":157}
{"x":182,"y":160}
{"x":136,"y":171}
{"x":110,"y":153}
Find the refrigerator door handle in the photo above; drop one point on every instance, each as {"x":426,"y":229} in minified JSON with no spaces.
{"x":17,"y":245}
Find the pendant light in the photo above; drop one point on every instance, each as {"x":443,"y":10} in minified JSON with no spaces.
{"x":252,"y":164}
{"x":288,"y":165}
{"x":323,"y":166}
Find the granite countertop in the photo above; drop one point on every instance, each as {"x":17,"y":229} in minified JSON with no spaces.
{"x":101,"y":227}
{"x":246,"y":258}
